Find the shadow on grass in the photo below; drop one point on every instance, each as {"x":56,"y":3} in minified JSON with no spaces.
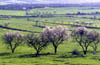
{"x":34,"y":55}
{"x":24,"y":56}
{"x":4,"y":54}
{"x":81,"y":55}
{"x":71,"y":56}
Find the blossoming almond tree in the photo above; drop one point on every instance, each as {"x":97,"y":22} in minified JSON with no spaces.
{"x":85,"y":38}
{"x":79,"y":36}
{"x":55,"y":35}
{"x":13,"y":39}
{"x":94,"y":37}
{"x":37,"y":42}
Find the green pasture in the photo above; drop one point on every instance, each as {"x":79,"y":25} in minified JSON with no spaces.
{"x":24,"y":55}
{"x":64,"y":10}
{"x":49,"y":10}
{"x":12,"y":12}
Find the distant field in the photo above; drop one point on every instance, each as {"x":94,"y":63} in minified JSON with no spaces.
{"x":12,"y":12}
{"x":62,"y":10}
{"x":22,"y":55}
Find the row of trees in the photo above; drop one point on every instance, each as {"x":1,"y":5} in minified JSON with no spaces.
{"x":55,"y":36}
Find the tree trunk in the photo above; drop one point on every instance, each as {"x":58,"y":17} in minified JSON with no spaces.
{"x":85,"y":52}
{"x":13,"y":50}
{"x":95,"y":50}
{"x":37,"y":53}
{"x":55,"y":49}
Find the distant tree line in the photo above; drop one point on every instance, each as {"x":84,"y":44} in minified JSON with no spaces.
{"x":31,"y":6}
{"x":82,"y":13}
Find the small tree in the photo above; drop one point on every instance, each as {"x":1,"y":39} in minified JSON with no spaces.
{"x":94,"y":37}
{"x":13,"y":40}
{"x":6,"y":24}
{"x":37,"y":42}
{"x":56,"y":36}
{"x":37,"y":23}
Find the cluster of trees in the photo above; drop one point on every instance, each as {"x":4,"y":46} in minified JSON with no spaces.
{"x":55,"y":36}
{"x":20,"y":6}
{"x":81,"y":13}
{"x":39,"y":23}
{"x":32,"y":6}
{"x":43,"y":14}
{"x":83,"y":23}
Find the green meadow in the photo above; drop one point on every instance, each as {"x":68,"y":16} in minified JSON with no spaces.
{"x":24,"y":55}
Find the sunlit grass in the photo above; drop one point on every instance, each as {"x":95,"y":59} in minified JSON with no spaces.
{"x":22,"y":55}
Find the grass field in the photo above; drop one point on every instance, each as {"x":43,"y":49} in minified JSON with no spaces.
{"x":24,"y":55}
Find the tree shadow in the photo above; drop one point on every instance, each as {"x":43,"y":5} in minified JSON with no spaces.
{"x":92,"y":52}
{"x":34,"y":55}
{"x":81,"y":55}
{"x":4,"y":54}
{"x":71,"y":56}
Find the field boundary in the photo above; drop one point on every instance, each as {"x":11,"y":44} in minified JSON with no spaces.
{"x":16,"y":29}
